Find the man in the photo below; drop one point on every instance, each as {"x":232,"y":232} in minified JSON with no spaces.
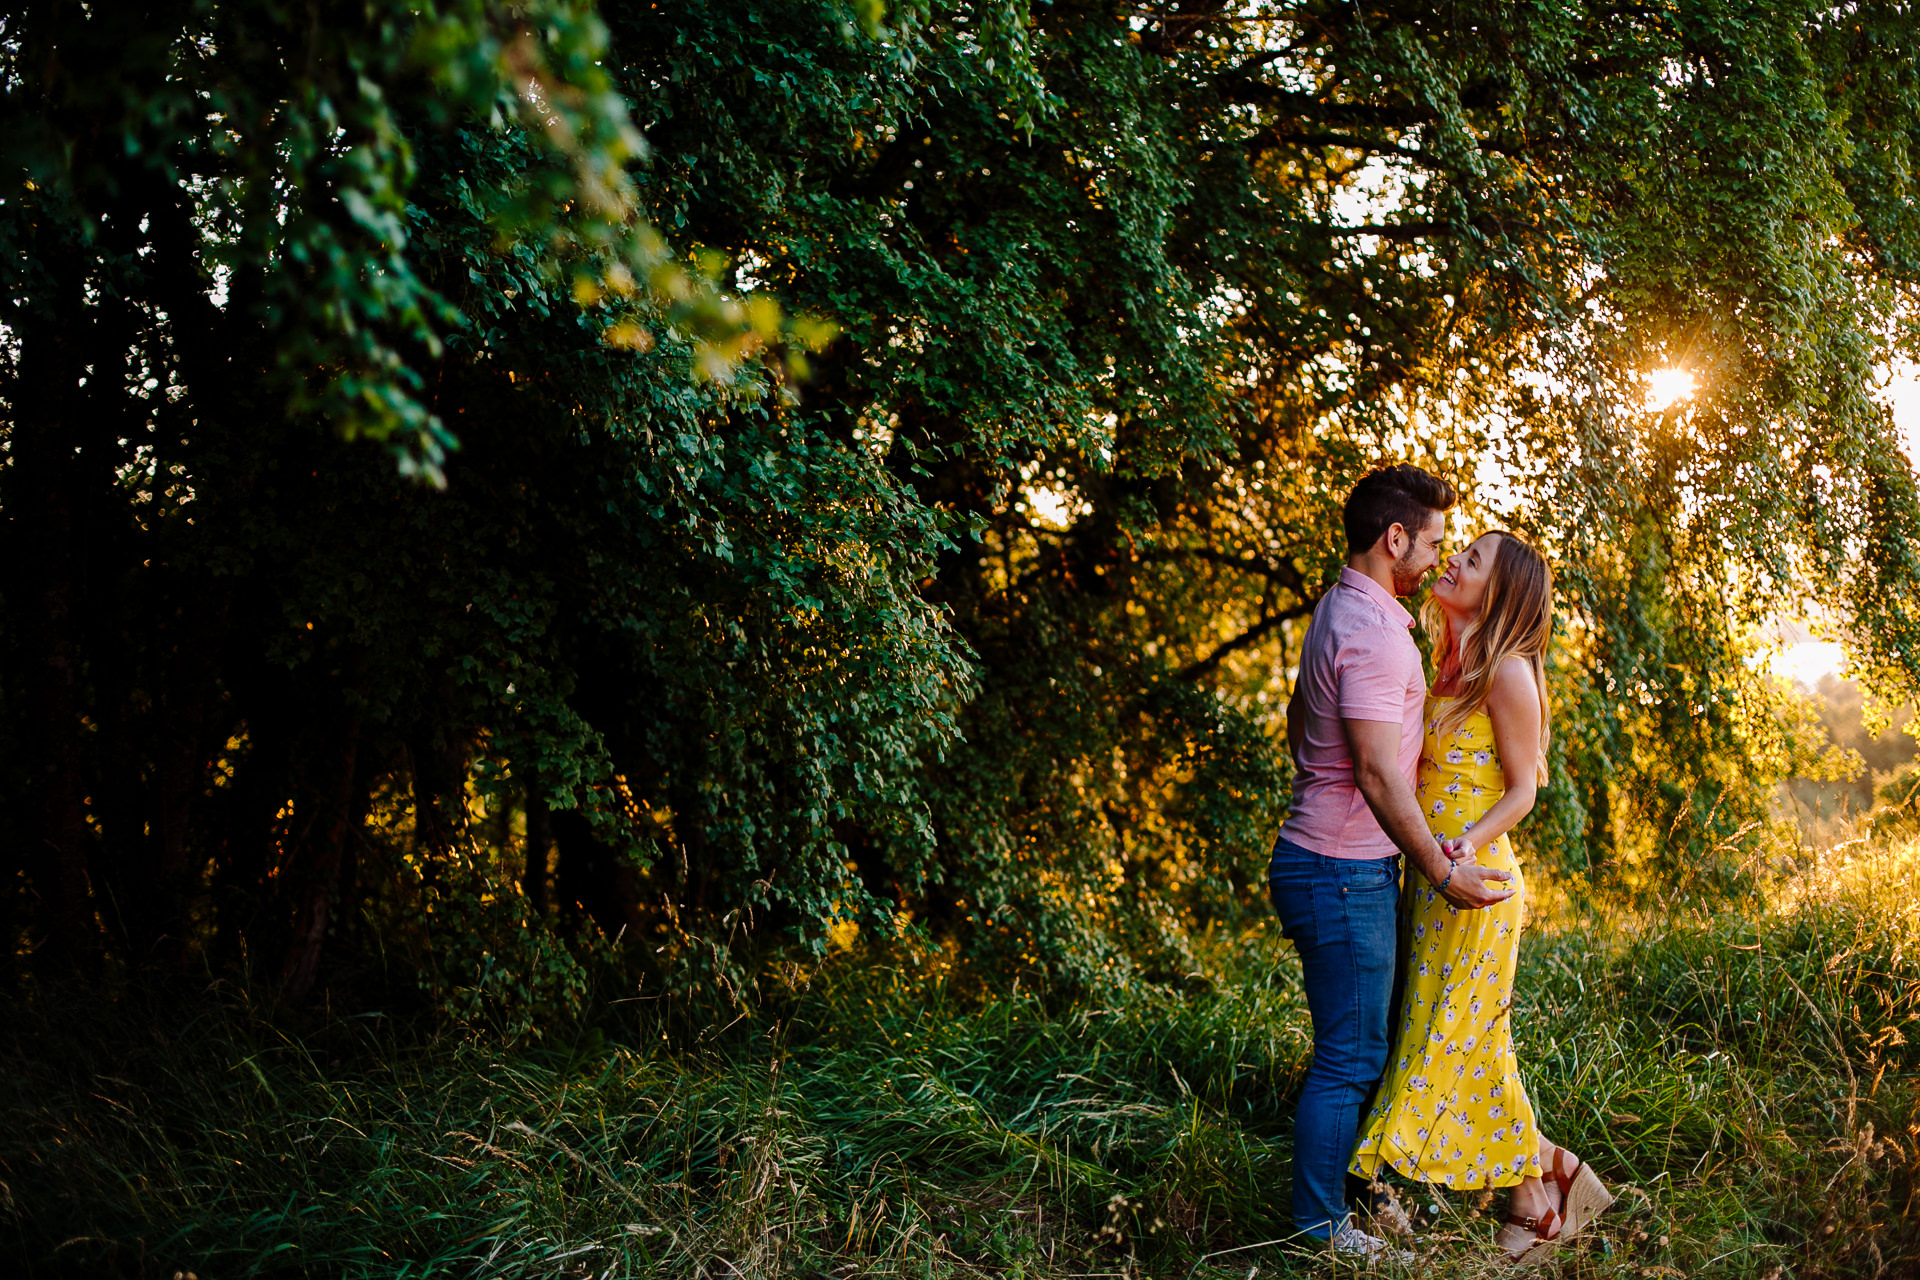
{"x":1354,"y":728}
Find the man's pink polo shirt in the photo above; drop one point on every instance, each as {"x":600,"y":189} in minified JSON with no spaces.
{"x":1359,"y":663}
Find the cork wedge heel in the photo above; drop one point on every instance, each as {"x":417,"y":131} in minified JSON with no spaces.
{"x":1583,"y":1196}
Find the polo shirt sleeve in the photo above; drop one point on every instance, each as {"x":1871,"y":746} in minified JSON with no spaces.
{"x":1376,"y":666}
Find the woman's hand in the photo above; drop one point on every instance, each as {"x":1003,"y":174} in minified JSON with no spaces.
{"x":1458,"y":848}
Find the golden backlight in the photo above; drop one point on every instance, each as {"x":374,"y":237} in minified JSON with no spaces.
{"x":1665,"y":386}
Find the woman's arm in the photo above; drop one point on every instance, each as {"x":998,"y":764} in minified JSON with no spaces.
{"x":1513,"y":704}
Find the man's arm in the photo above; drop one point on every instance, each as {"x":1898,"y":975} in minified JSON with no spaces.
{"x":1375,"y":747}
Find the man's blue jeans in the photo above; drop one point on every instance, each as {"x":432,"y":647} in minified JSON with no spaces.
{"x":1340,"y":914}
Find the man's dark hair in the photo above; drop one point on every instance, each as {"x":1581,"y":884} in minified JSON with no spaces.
{"x":1402,"y":494}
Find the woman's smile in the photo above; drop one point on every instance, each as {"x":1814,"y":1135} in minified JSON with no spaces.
{"x":1463,"y":585}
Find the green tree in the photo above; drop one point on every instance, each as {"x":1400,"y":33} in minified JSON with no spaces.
{"x":239,"y":241}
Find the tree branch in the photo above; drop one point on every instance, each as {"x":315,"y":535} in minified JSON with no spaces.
{"x":1180,"y":23}
{"x":1395,"y":230}
{"x":1251,"y":636}
{"x":1273,"y":570}
{"x":1485,"y":224}
{"x":1276,"y":137}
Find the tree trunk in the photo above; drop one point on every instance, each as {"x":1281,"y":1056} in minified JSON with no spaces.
{"x":439,"y":769}
{"x":591,"y":879}
{"x":535,"y":883}
{"x":248,"y":850}
{"x":44,"y":562}
{"x":179,"y":776}
{"x":337,"y":792}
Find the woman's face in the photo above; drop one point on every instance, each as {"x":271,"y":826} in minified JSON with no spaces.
{"x":1463,"y":586}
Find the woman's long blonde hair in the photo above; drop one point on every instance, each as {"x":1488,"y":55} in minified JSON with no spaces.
{"x":1515,"y":621}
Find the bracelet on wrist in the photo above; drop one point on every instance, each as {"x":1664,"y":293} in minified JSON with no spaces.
{"x":1442,"y":886}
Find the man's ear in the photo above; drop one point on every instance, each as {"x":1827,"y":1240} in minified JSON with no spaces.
{"x":1396,"y":538}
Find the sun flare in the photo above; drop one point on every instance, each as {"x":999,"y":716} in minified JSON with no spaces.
{"x":1664,"y":386}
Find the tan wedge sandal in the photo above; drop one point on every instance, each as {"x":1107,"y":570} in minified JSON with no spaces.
{"x":1527,"y":1242}
{"x":1583,"y":1197}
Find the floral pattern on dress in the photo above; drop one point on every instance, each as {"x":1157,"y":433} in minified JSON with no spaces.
{"x":1449,"y":1060}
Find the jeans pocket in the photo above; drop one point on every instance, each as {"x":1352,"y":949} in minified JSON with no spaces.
{"x":1370,"y":877}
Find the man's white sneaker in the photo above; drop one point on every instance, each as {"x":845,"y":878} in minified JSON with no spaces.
{"x":1351,"y":1242}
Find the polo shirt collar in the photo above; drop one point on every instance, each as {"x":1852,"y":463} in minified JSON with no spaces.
{"x":1351,"y":577}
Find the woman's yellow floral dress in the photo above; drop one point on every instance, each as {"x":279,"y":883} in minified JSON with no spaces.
{"x":1452,"y":1110}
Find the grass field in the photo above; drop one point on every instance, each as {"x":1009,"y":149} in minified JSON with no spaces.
{"x":1748,"y":1080}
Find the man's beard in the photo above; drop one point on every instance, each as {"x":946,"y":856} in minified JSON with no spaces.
{"x":1406,"y":580}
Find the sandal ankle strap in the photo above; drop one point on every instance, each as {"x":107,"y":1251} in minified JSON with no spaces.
{"x":1554,"y":1170}
{"x":1546,"y":1225}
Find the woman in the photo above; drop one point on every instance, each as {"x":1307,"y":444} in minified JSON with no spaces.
{"x":1452,"y":1110}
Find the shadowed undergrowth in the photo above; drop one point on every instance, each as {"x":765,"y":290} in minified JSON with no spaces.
{"x":1747,"y":1079}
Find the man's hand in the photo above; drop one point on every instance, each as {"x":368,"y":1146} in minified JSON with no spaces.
{"x":1472,"y":886}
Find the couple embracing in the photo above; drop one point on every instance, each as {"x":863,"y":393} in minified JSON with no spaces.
{"x":1410,"y":989}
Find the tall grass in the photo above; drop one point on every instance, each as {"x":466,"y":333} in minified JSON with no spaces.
{"x":1747,"y":1078}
